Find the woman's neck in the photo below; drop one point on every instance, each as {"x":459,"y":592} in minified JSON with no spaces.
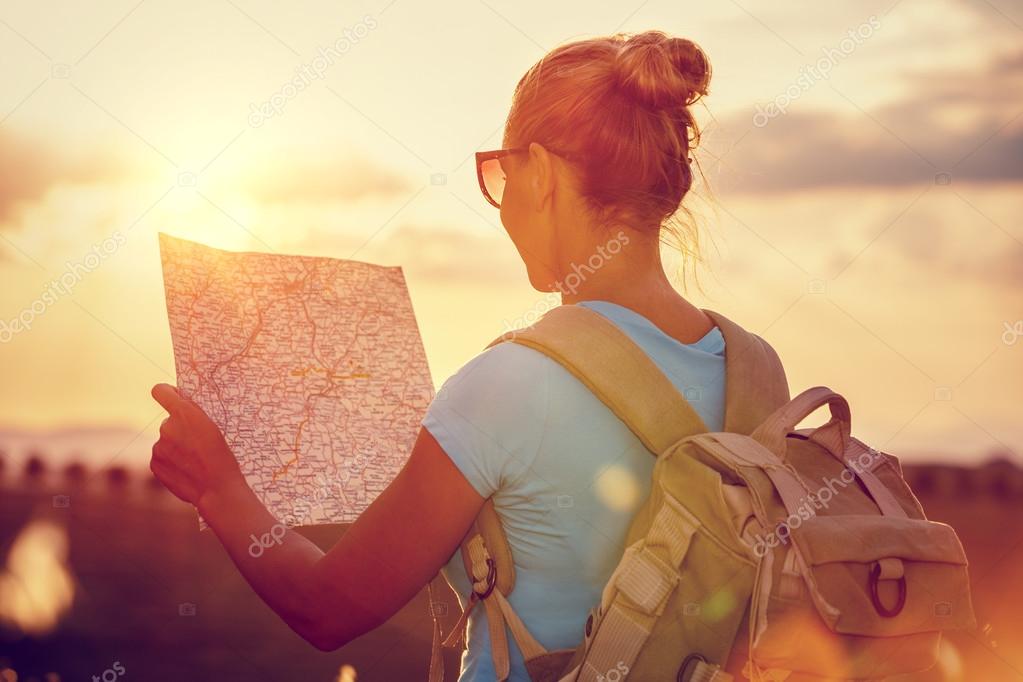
{"x":627,"y":274}
{"x":635,"y":279}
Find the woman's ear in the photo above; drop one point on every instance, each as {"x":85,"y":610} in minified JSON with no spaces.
{"x":542,"y":176}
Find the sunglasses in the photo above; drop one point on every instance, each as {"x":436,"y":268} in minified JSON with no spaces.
{"x":492,"y":176}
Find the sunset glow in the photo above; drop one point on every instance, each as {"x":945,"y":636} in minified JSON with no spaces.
{"x":829,"y":221}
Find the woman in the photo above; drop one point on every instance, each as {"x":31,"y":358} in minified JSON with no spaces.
{"x":596,"y":159}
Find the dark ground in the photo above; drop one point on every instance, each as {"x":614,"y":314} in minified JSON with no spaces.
{"x":167,"y":603}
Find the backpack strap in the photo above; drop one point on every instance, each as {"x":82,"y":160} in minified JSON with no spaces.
{"x":615,"y":369}
{"x":755,"y":382}
{"x":603,"y":357}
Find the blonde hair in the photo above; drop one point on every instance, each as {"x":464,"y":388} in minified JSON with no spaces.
{"x":620,"y":106}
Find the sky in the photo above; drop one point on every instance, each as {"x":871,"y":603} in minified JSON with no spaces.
{"x":861,"y":209}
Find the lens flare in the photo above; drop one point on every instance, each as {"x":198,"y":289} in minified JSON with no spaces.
{"x":36,"y":586}
{"x":618,"y":488}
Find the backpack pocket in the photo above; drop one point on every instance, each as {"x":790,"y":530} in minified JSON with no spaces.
{"x":862,"y":597}
{"x":883,"y":576}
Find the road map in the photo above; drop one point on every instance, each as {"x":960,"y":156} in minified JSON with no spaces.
{"x":312,"y":367}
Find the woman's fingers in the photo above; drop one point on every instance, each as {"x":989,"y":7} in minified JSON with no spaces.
{"x":191,"y":454}
{"x":172,"y":477}
{"x":164,"y":449}
{"x":168,"y":397}
{"x":188,"y":438}
{"x":174,"y":431}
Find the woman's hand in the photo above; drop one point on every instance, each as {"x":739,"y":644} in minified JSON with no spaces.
{"x":191,"y":458}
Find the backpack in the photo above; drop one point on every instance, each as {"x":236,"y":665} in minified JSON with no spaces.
{"x":762,"y":552}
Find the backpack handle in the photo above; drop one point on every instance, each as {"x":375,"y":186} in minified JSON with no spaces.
{"x":834,"y":435}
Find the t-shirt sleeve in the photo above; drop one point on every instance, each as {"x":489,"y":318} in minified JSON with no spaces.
{"x":489,"y":416}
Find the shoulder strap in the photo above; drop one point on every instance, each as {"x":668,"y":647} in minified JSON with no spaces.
{"x":624,"y":377}
{"x":616,"y":370}
{"x":755,"y":381}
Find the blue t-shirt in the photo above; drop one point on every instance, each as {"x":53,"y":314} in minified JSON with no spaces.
{"x":565,"y":473}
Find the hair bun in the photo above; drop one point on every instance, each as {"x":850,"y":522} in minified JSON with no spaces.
{"x":662,"y":72}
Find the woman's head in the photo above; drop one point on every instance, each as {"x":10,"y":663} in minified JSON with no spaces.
{"x":608,"y":132}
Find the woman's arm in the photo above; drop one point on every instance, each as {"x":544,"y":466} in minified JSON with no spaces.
{"x":394,"y":548}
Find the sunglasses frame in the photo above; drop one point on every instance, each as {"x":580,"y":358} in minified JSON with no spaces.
{"x":500,"y":154}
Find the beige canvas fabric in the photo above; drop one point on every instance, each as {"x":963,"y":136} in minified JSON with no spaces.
{"x":761,"y":551}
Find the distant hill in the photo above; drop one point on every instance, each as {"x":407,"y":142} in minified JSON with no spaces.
{"x":96,"y":446}
{"x":99,"y":446}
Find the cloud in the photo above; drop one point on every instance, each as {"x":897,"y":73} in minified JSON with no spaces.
{"x":434,"y":252}
{"x":30,"y":168}
{"x":946,"y":236}
{"x":456,"y":255}
{"x":960,"y":122}
{"x":27,"y":170}
{"x":315,"y":179}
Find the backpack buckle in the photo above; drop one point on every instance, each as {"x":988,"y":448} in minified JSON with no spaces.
{"x":882,"y":610}
{"x":491,"y":580}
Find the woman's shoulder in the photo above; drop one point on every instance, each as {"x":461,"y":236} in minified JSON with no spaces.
{"x":511,"y":388}
{"x":488,"y":415}
{"x":511,"y":364}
